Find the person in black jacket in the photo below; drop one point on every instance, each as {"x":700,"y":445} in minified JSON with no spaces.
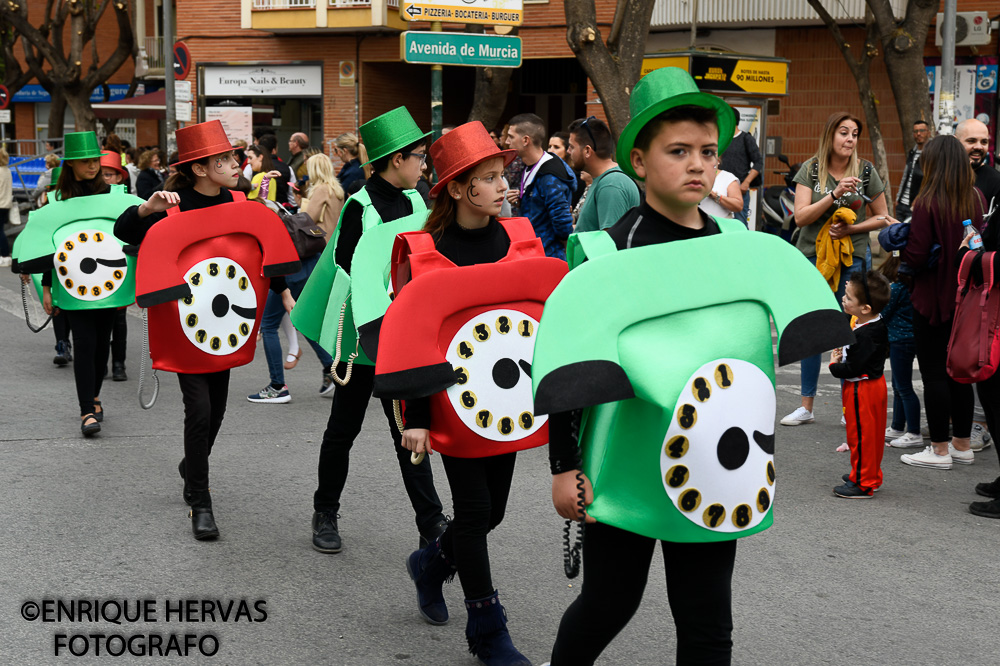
{"x":742,"y":159}
{"x":150,"y":179}
{"x":861,"y":367}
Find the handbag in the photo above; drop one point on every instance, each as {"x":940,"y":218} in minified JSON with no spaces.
{"x":974,"y":347}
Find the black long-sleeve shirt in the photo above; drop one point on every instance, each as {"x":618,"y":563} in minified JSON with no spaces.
{"x":390,"y":204}
{"x":866,"y":357}
{"x":132,"y":229}
{"x":639,"y":227}
{"x":463,"y":247}
{"x":741,"y":155}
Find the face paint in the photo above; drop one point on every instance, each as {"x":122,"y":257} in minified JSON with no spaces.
{"x":471,"y":194}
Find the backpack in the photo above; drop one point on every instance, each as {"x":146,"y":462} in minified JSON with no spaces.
{"x":974,"y":346}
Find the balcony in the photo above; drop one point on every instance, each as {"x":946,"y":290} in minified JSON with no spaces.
{"x":151,"y":53}
{"x":326,"y":16}
{"x":676,"y":14}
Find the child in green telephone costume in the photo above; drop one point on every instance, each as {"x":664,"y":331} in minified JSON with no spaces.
{"x":79,"y":266}
{"x":670,"y":395}
{"x":341,"y":307}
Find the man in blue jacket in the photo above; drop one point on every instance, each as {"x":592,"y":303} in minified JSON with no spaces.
{"x":546,"y":187}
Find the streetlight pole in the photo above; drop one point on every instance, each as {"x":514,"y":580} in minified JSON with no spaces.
{"x":946,"y":86}
{"x":168,"y":74}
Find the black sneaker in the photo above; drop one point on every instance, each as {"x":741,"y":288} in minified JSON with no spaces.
{"x":851,"y":491}
{"x":989,"y":509}
{"x":991,"y":489}
{"x":847,"y":480}
{"x":429,"y":535}
{"x":63,"y":355}
{"x":118,"y":372}
{"x":326,"y":538}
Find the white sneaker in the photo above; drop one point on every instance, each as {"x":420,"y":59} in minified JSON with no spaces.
{"x":4,"y":261}
{"x":891,"y":434}
{"x":800,"y":416}
{"x":927,"y":458}
{"x":843,"y":420}
{"x":907,"y":440}
{"x":961,"y":457}
{"x":980,"y":438}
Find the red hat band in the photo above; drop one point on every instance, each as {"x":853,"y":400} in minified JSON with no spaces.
{"x":202,"y":140}
{"x":461,"y":149}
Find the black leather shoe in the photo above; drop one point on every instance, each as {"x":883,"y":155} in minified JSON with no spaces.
{"x":991,"y":489}
{"x":427,"y":536}
{"x":99,"y":415}
{"x":187,"y":493}
{"x":326,"y":538}
{"x":118,"y":372}
{"x":989,"y":509}
{"x":203,"y":523}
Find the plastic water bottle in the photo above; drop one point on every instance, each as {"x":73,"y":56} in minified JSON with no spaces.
{"x":975,"y":240}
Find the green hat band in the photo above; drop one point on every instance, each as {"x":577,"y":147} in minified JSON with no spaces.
{"x":389,"y":133}
{"x":662,"y":90}
{"x":81,"y":146}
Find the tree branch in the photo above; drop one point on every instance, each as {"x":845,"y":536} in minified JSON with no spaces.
{"x":838,"y":36}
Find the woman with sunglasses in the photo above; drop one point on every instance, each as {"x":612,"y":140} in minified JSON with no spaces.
{"x":835,"y":177}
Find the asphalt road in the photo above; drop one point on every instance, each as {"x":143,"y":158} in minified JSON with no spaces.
{"x":904,"y":578}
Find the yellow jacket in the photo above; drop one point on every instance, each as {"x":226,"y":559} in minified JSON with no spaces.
{"x":832,"y":255}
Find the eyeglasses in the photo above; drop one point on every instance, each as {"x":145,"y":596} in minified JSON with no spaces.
{"x":590,"y":133}
{"x":422,"y":156}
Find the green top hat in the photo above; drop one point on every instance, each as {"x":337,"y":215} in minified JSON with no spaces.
{"x":665,"y":89}
{"x":389,"y":133}
{"x":81,"y":146}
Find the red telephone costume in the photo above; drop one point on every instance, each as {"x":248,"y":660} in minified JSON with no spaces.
{"x":204,"y":275}
{"x":465,"y":337}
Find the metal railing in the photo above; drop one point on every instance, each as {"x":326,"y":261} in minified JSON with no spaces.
{"x":154,"y":52}
{"x":669,"y":13}
{"x":349,"y":4}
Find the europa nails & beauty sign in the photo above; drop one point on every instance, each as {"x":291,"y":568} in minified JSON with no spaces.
{"x":263,"y":80}
{"x":460,"y":48}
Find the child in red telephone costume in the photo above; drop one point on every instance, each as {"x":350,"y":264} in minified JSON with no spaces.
{"x":206,"y":173}
{"x":474,"y":301}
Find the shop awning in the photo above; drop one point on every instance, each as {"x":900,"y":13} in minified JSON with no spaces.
{"x":151,"y":106}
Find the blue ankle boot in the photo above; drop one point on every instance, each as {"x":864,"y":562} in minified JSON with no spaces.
{"x":429,"y":570}
{"x":487,"y":633}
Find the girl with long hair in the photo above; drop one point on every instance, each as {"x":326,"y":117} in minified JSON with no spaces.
{"x":947,"y":197}
{"x":261,"y":165}
{"x":835,"y":177}
{"x":349,"y":149}
{"x":325,"y":193}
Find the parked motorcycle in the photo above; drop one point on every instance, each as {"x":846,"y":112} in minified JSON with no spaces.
{"x":779,"y":202}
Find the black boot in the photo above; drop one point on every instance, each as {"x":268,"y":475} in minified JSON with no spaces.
{"x":202,"y":520}
{"x":118,"y":372}
{"x":429,"y":569}
{"x":487,"y":633}
{"x":182,"y":470}
{"x":62,"y":353}
{"x":326,"y":536}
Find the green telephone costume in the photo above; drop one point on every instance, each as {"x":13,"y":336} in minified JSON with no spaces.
{"x":75,"y":240}
{"x":362,"y":297}
{"x":677,"y":383}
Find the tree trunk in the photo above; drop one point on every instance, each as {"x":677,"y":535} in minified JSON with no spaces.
{"x":614,"y":66}
{"x":903,"y":50}
{"x":57,"y":114}
{"x":83,"y":113}
{"x":490,"y":95}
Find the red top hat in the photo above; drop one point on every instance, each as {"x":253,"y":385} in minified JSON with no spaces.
{"x":202,"y":140}
{"x":114,"y":161}
{"x":463,"y":148}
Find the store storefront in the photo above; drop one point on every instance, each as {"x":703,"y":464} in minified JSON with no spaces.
{"x":286,"y":96}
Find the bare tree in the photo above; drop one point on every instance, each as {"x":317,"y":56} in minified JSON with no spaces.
{"x":613,"y":65}
{"x":490,"y":95}
{"x":58,"y":66}
{"x":14,"y":78}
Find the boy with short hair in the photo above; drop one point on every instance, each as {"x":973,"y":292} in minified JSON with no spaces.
{"x":861,"y":366}
{"x":642,"y":452}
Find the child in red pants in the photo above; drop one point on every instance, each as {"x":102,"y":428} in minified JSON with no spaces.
{"x":861,"y":367}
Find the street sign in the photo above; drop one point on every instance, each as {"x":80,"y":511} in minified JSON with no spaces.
{"x":4,"y":97}
{"x":4,"y":116}
{"x":460,"y":48}
{"x":182,"y":60}
{"x":182,"y":91}
{"x":491,"y":12}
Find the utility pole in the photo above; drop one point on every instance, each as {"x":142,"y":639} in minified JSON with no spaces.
{"x":946,"y":84}
{"x":694,"y":23}
{"x":168,"y":74}
{"x":437,"y":96}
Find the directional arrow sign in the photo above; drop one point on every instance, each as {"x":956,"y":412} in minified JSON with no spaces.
{"x":460,"y":48}
{"x":491,"y":12}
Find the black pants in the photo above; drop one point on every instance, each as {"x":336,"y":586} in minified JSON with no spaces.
{"x":944,"y":398}
{"x":989,"y":398}
{"x":615,"y":568}
{"x":91,"y":347}
{"x":479,"y":490}
{"x":205,"y":397}
{"x":60,"y":326}
{"x":347,"y":415}
{"x":119,"y":339}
